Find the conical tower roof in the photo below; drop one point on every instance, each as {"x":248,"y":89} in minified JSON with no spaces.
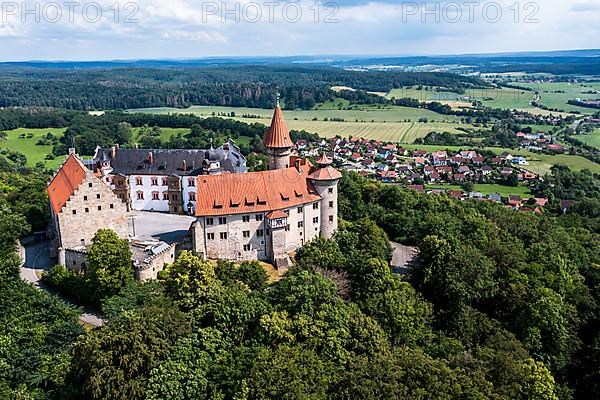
{"x":324,"y":161}
{"x":278,"y":135}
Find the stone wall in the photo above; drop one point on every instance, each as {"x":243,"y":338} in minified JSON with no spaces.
{"x":149,"y":268}
{"x":328,"y":190}
{"x":279,"y":158}
{"x":92,"y":206}
{"x":73,"y":259}
{"x":303,"y":225}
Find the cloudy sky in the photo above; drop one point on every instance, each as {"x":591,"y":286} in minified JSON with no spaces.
{"x":107,"y":29}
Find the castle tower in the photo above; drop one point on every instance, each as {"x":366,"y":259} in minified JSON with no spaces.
{"x":325,"y":179}
{"x":277,"y":141}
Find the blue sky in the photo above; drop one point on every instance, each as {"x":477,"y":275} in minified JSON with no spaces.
{"x":200,"y":28}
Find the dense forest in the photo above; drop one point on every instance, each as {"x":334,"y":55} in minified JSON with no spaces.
{"x":498,"y":305}
{"x":237,"y":86}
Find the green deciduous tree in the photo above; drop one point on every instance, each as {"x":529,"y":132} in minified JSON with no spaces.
{"x":110,"y":264}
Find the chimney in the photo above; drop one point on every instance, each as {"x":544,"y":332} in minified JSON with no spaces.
{"x":113,"y":152}
{"x":150,"y":158}
{"x":184,"y":166}
{"x":72,"y":151}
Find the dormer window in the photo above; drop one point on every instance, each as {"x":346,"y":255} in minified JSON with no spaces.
{"x":284,"y":197}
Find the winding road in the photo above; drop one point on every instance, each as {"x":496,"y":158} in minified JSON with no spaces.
{"x":36,"y":259}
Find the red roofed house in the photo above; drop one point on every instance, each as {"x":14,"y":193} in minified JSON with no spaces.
{"x":417,"y":188}
{"x":557,"y":148}
{"x":515,"y":201}
{"x":80,"y":205}
{"x":266,"y":215}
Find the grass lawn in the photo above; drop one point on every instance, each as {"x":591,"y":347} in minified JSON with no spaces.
{"x":443,"y":187}
{"x":487,"y":189}
{"x":502,"y":190}
{"x":28,"y":147}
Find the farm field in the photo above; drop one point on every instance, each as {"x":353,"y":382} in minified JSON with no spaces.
{"x":403,"y":132}
{"x":426,"y":94}
{"x":28,"y":147}
{"x":592,"y":139}
{"x":556,"y":94}
{"x":366,"y":114}
{"x":492,"y":97}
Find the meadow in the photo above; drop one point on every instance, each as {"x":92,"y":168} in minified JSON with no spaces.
{"x":593,"y":139}
{"x":28,"y":147}
{"x":506,"y":98}
{"x":327,"y":111}
{"x":386,"y":124}
{"x":557,"y":94}
{"x":486,"y":189}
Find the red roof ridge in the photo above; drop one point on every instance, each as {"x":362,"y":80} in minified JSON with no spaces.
{"x":67,"y":179}
{"x":276,"y":214}
{"x":254,"y":192}
{"x":278,"y":135}
{"x":325,"y":174}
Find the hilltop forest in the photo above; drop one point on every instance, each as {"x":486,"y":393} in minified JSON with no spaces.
{"x":236,"y":86}
{"x":499,"y":305}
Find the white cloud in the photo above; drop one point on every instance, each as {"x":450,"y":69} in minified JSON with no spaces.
{"x":187,"y":28}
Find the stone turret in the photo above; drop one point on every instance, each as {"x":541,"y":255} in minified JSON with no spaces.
{"x":325,"y":179}
{"x":277,"y":141}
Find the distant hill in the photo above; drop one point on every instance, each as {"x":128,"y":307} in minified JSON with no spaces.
{"x":558,"y":62}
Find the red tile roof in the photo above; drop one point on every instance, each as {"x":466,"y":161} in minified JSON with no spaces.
{"x":250,"y":192}
{"x":277,"y":214}
{"x":325,"y":174}
{"x":65,"y":182}
{"x":324,"y":160}
{"x":278,"y":135}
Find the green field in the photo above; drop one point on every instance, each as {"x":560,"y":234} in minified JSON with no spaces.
{"x":28,"y":147}
{"x":592,"y":139}
{"x":360,"y":113}
{"x":502,"y":190}
{"x":425,"y":94}
{"x":538,"y":163}
{"x":491,"y":97}
{"x":487,"y":189}
{"x":556,"y":94}
{"x":389,"y":122}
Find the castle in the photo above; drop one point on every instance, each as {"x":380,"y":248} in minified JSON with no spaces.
{"x":239,"y":215}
